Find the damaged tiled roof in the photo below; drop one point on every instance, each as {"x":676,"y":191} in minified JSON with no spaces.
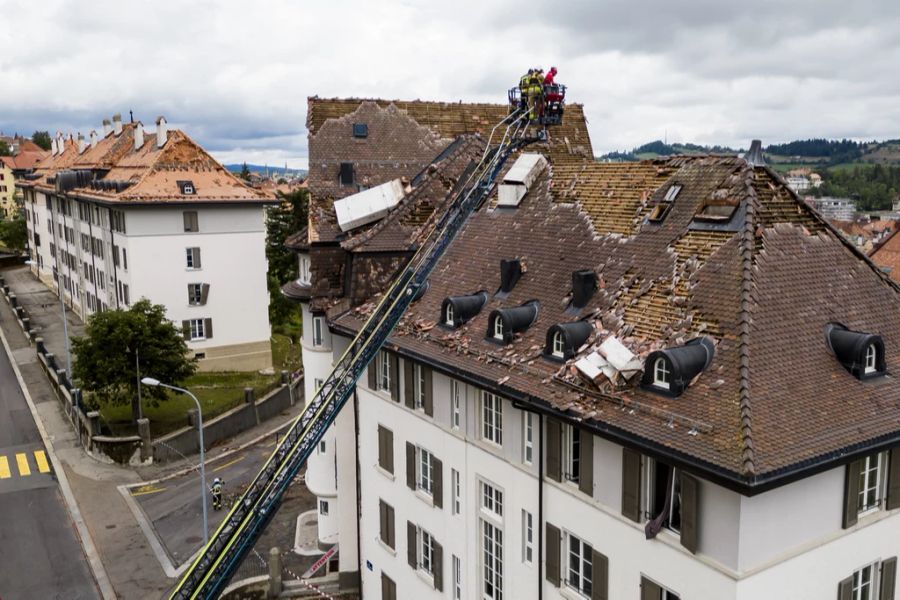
{"x":887,"y":255}
{"x":762,"y":286}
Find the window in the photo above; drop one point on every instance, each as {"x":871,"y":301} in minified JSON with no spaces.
{"x":457,"y":578}
{"x":426,"y":552}
{"x":661,"y":373}
{"x":871,"y":355}
{"x":863,"y":584}
{"x":558,"y":345}
{"x":388,"y":588}
{"x":384,"y":371}
{"x":194,"y":294}
{"x":871,"y":482}
{"x":572,"y":453}
{"x":527,"y":537}
{"x":419,"y":386}
{"x":360,"y":130}
{"x":317,"y":331}
{"x":193,"y":258}
{"x":498,"y":328}
{"x":323,"y":508}
{"x":491,"y":521}
{"x":125,"y":258}
{"x":424,"y":472}
{"x":665,"y":495}
{"x":317,"y":384}
{"x":653,"y":591}
{"x":454,"y":404}
{"x":491,"y":499}
{"x":579,"y":566}
{"x":322,"y":447}
{"x":528,"y":438}
{"x":448,"y":317}
{"x":672,"y":193}
{"x":346,"y":173}
{"x":491,"y":418}
{"x":197,"y":329}
{"x":455,"y":491}
{"x":659,"y":212}
{"x":125,"y":294}
{"x":191,"y":222}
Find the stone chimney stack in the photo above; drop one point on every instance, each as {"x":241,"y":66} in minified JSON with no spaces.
{"x":81,"y":145}
{"x":60,"y":142}
{"x":93,"y":138}
{"x":138,"y":136}
{"x":107,"y":127}
{"x":53,"y":147}
{"x":117,"y":123}
{"x":162,"y":132}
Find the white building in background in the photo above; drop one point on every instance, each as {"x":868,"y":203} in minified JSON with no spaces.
{"x":129,"y":214}
{"x":799,"y":183}
{"x":835,"y":209}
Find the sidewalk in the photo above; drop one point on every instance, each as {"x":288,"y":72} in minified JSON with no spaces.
{"x":129,"y":561}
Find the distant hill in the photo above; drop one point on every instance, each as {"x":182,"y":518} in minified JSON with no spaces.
{"x":261,"y":170}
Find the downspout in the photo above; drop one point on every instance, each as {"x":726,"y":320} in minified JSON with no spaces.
{"x":359,"y":566}
{"x":541,"y":506}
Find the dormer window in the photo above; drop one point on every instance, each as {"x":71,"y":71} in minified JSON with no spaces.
{"x":360,"y":130}
{"x":498,"y":328}
{"x":457,"y":310}
{"x":186,"y":188}
{"x":661,"y":373}
{"x":448,"y":316}
{"x":871,"y":356}
{"x":504,"y":323}
{"x":565,"y":339}
{"x":861,"y":353}
{"x":660,"y":211}
{"x":559,"y":345}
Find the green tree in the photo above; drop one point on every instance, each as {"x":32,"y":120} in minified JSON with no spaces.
{"x":245,"y":172}
{"x":288,"y":217}
{"x":118,"y":342}
{"x":4,"y":149}
{"x":42,"y":139}
{"x":14,"y":233}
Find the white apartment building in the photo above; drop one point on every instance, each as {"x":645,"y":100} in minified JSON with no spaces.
{"x":131,"y":214}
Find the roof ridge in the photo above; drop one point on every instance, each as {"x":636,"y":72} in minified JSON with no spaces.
{"x":748,"y":454}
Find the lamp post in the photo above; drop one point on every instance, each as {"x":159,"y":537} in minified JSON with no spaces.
{"x":157,"y":383}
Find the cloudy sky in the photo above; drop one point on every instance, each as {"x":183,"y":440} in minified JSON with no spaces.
{"x":236,"y":75}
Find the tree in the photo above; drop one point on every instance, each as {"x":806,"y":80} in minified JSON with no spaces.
{"x":14,"y":233}
{"x":288,"y":217}
{"x":4,"y":149}
{"x":42,"y":139}
{"x":119,"y":342}
{"x":245,"y":172}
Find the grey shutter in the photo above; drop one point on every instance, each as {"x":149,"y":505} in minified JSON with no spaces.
{"x":373,"y":373}
{"x":189,"y":289}
{"x":411,"y":550}
{"x":382,"y":521}
{"x":631,"y":485}
{"x":410,"y":466}
{"x":388,"y":588}
{"x":554,"y":445}
{"x":845,"y":589}
{"x":409,"y":384}
{"x":389,"y":523}
{"x":427,"y":392}
{"x":437,"y":472}
{"x":187,"y":220}
{"x":893,"y":490}
{"x":204,"y":293}
{"x":438,"y":566}
{"x":207,"y":328}
{"x":600,"y":580}
{"x":649,"y":590}
{"x":386,"y":449}
{"x":586,"y":458}
{"x":553,"y":541}
{"x":888,"y":578}
{"x":197,"y":264}
{"x":394,"y":363}
{"x":186,"y":329}
{"x":851,"y":494}
{"x":690,"y":506}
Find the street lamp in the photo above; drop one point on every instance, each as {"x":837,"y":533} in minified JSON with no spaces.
{"x":157,"y":383}
{"x":62,"y":303}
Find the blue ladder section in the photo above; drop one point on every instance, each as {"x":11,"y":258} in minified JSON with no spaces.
{"x":236,"y":536}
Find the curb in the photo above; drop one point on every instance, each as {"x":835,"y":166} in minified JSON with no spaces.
{"x":87,"y":542}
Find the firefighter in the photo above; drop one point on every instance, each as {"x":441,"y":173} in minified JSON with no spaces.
{"x":535,"y":94}
{"x":524,"y":83}
{"x":216,"y":490}
{"x":550,"y":76}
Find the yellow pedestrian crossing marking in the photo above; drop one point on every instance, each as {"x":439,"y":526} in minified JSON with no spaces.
{"x":41,"y":459}
{"x":4,"y":468}
{"x":22,"y":460}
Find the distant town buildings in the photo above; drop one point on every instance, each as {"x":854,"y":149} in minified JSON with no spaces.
{"x":25,"y":154}
{"x":802,"y":180}
{"x":833,"y":209}
{"x":127,"y":213}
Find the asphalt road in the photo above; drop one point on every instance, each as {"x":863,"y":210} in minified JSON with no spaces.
{"x":40,"y":553}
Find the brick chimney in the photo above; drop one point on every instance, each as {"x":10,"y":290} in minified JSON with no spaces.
{"x":93,"y":138}
{"x":162,"y":132}
{"x":117,"y":123}
{"x":138,"y":135}
{"x":107,"y":127}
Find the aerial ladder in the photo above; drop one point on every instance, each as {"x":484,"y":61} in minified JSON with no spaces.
{"x":248,"y":517}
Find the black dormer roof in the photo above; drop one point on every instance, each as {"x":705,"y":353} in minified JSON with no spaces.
{"x":683,"y":363}
{"x":573,"y":335}
{"x":851,"y":348}
{"x":510,"y":273}
{"x":515,"y":320}
{"x":464,"y":307}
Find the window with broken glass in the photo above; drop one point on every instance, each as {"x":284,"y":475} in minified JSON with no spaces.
{"x":663,"y":484}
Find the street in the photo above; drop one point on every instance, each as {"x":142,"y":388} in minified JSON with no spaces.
{"x":42,"y":556}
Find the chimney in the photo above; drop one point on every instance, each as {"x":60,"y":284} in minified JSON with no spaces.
{"x":93,"y":138}
{"x":60,"y":142}
{"x":510,"y":272}
{"x":117,"y":123}
{"x":81,"y":145}
{"x":107,"y":127}
{"x":53,"y":146}
{"x":754,"y":156}
{"x":138,"y":136}
{"x":161,"y":132}
{"x":584,"y":284}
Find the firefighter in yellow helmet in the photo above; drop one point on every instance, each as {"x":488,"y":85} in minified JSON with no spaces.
{"x":524,"y":83}
{"x":535,"y":94}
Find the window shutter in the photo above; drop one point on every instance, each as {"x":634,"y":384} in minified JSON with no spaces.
{"x":690,"y":505}
{"x":388,"y":588}
{"x":554,"y":446}
{"x":207,"y":328}
{"x":427,"y":392}
{"x":190,"y":296}
{"x":893,"y":490}
{"x":649,"y":590}
{"x":186,"y":329}
{"x":438,"y":566}
{"x":197,"y":264}
{"x":437,"y":472}
{"x":204,"y":293}
{"x":373,"y":373}
{"x":410,"y":466}
{"x":411,"y":550}
{"x":382,"y":522}
{"x":386,"y":449}
{"x":888,"y":578}
{"x":586,"y":457}
{"x":845,"y":589}
{"x":394,"y":364}
{"x":631,"y":485}
{"x":409,"y":369}
{"x":187,"y":221}
{"x":553,"y":542}
{"x":851,"y":494}
{"x":600,"y":580}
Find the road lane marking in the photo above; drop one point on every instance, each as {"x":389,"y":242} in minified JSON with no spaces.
{"x":41,"y":460}
{"x":147,"y":489}
{"x":22,"y":460}
{"x":4,"y":468}
{"x":228,"y":464}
